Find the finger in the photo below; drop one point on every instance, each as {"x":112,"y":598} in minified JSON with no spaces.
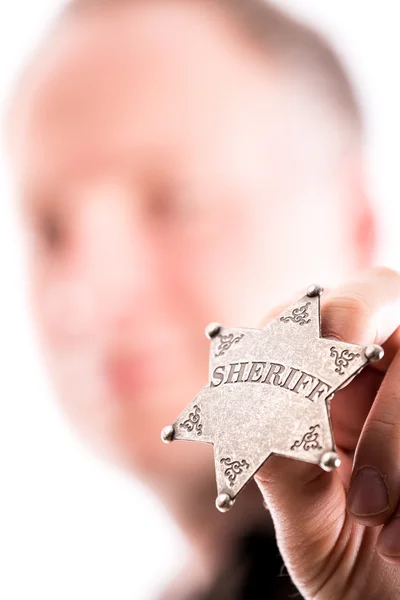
{"x":365,"y":310}
{"x":375,"y":483}
{"x":351,"y":406}
{"x":391,"y":346}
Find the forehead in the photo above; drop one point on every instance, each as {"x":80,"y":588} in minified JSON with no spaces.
{"x":137,"y":79}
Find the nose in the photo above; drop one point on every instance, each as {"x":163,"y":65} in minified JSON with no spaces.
{"x":113,"y":251}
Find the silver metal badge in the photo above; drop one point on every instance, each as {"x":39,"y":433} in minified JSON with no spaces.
{"x":269,"y":392}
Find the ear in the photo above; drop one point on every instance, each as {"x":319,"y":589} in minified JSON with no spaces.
{"x":364,"y":225}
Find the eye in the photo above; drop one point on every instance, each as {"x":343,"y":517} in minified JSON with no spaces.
{"x":174,"y":206}
{"x":51,"y":231}
{"x":162,"y":205}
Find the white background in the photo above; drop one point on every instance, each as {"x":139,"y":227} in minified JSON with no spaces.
{"x":71,"y":527}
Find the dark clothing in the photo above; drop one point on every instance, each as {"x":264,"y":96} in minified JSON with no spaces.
{"x":257,"y":572}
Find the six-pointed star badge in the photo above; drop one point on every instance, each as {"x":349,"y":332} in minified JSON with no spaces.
{"x":269,"y":392}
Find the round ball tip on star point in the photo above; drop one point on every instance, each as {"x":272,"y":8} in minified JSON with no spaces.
{"x":314,"y":290}
{"x":224,"y":502}
{"x":167,"y":434}
{"x":374,"y":353}
{"x":330,"y":461}
{"x":212,"y":330}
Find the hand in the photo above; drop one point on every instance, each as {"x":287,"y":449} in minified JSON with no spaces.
{"x":339,"y":533}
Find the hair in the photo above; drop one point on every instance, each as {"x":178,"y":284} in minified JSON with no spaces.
{"x":308,"y":69}
{"x":296,"y":47}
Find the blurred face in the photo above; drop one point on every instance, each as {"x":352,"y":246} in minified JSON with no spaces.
{"x":162,"y":190}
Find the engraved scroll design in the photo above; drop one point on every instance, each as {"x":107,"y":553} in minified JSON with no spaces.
{"x":343,"y":359}
{"x":193,"y":421}
{"x":299,"y":315}
{"x":235,"y":468}
{"x":226,"y":343}
{"x":309,"y":440}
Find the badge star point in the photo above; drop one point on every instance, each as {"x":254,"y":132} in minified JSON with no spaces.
{"x":269,"y":392}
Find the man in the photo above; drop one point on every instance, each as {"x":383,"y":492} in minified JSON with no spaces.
{"x":182,"y":162}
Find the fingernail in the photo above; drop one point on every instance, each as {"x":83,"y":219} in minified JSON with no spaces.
{"x":368,"y":493}
{"x":389,"y":540}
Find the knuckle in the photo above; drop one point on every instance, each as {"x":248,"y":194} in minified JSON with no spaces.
{"x":353,"y":311}
{"x":383,"y":271}
{"x":385,"y":426}
{"x":344,"y":312}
